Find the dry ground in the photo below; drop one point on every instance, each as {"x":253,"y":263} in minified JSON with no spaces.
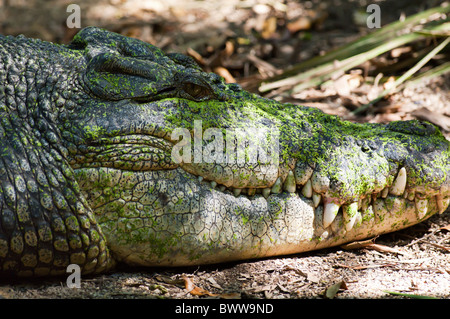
{"x":413,"y":261}
{"x":418,"y":265}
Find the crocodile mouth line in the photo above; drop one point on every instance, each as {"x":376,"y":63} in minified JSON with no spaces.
{"x":393,"y":199}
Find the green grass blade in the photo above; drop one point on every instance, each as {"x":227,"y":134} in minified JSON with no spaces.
{"x":405,"y":76}
{"x":408,"y":295}
{"x":370,"y":43}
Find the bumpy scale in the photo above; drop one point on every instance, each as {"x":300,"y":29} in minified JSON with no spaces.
{"x":88,"y":177}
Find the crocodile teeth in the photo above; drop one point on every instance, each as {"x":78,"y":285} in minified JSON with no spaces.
{"x":442,"y":203}
{"x":237,"y":191}
{"x":213,"y":184}
{"x":329,"y":213}
{"x":200,"y":179}
{"x":307,"y":189}
{"x":350,"y":213}
{"x":421,"y":207}
{"x":365,"y":202}
{"x":289,"y":183}
{"x":385,"y":192}
{"x":398,"y":187}
{"x":266,"y":192}
{"x":316,"y":199}
{"x":251,"y":191}
{"x":276,"y":188}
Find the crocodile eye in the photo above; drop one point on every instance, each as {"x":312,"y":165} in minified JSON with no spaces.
{"x":196,"y":91}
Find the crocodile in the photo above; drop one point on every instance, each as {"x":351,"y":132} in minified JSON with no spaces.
{"x":114,"y":152}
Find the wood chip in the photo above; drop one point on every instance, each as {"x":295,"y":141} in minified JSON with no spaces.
{"x":225,"y":74}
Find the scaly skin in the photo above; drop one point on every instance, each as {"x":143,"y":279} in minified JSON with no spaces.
{"x":90,"y":174}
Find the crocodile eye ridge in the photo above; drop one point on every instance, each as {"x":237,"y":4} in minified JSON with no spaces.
{"x":196,"y":91}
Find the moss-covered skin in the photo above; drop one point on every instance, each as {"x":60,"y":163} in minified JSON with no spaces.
{"x":113,"y":151}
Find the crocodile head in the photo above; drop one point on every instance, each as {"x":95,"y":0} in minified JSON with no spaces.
{"x":181,"y":168}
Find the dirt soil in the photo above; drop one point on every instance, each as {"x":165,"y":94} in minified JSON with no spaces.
{"x":247,"y":41}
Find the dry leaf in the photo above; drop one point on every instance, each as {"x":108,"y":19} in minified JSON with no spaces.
{"x":225,"y":74}
{"x":331,"y":291}
{"x":264,"y":68}
{"x":369,"y":244}
{"x":347,"y":83}
{"x":384,"y":249}
{"x":214,"y":283}
{"x":194,"y":290}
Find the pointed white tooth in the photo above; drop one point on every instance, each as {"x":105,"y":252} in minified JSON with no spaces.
{"x":276,"y":188}
{"x":213,"y":184}
{"x":329,"y":213}
{"x":385,"y":192}
{"x":237,"y":191}
{"x":358,"y":219}
{"x":307,"y":189}
{"x":316,"y":199}
{"x":289,"y":183}
{"x":251,"y":191}
{"x":200,"y":179}
{"x":350,"y":213}
{"x":222,"y":188}
{"x":365,"y":202}
{"x":442,"y":203}
{"x":421,"y":207}
{"x":266,"y":192}
{"x":398,"y":187}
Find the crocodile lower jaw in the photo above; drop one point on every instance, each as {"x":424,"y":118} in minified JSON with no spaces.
{"x":169,"y":217}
